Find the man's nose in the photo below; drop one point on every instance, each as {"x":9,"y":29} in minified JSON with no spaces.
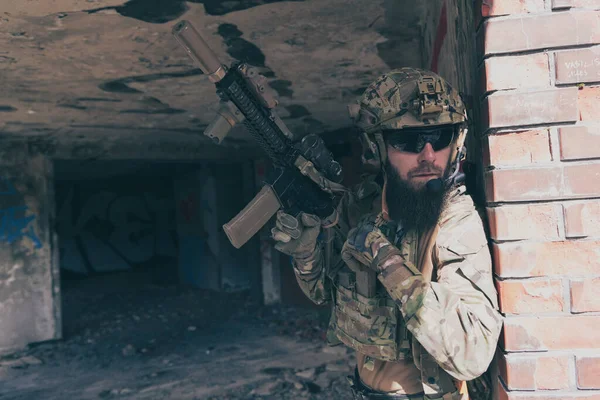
{"x":427,"y":154}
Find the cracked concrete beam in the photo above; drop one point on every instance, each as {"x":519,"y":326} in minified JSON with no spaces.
{"x":40,"y":8}
{"x":116,"y":63}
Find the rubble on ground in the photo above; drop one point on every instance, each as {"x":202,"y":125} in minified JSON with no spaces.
{"x":170,"y":342}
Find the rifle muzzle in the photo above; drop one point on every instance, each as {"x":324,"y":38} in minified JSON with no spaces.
{"x":198,"y":50}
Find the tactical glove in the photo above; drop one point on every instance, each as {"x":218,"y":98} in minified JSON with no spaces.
{"x":296,"y":237}
{"x":362,"y":247}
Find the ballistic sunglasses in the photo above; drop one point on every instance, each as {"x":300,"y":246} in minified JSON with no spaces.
{"x":413,"y":140}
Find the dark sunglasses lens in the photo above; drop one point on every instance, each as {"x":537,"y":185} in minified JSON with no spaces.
{"x":444,"y":139}
{"x":402,"y":142}
{"x":414,"y":141}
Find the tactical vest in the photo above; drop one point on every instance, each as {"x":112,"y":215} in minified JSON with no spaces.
{"x":372,"y":326}
{"x":375,"y":327}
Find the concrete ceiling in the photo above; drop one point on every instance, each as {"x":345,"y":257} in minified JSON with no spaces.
{"x":109,"y":72}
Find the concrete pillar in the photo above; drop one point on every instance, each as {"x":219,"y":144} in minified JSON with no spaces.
{"x":196,"y":207}
{"x":206,"y":199}
{"x":29,"y":270}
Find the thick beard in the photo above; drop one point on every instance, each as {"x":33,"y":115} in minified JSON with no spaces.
{"x":412,"y":208}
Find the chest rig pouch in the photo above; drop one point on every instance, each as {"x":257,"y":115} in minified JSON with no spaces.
{"x":373,"y":325}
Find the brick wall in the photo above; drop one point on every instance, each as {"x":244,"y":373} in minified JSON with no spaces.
{"x":540,"y":105}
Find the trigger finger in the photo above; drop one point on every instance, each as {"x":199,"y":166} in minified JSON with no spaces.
{"x":287,"y":220}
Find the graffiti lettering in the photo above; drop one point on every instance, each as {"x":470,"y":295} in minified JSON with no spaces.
{"x":14,"y":227}
{"x":583,"y":68}
{"x":104,"y":231}
{"x":14,"y":221}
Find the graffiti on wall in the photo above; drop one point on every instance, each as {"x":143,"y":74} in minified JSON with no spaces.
{"x":116,"y":226}
{"x":15,"y":221}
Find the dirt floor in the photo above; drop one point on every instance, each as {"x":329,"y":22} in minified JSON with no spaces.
{"x":132,"y":338}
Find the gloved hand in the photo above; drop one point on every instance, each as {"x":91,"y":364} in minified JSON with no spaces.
{"x":296,"y":237}
{"x":363,"y":244}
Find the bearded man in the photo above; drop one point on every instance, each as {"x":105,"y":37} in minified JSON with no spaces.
{"x":426,"y":325}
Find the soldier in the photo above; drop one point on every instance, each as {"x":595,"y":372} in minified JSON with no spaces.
{"x":407,"y":269}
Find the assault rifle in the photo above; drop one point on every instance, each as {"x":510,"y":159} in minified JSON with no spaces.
{"x":305,"y":175}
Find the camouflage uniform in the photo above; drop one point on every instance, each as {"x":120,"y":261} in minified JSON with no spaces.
{"x":435,"y":303}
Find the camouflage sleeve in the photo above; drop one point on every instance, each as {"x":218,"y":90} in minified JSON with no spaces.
{"x":312,"y":273}
{"x":455,"y":319}
{"x":311,"y":277}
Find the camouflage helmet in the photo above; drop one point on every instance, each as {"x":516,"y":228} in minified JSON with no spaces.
{"x":403,"y":98}
{"x":408,"y":97}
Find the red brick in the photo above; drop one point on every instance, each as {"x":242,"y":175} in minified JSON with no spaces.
{"x":551,"y":333}
{"x":593,"y":4}
{"x":519,"y":148}
{"x":528,"y":259}
{"x":579,"y":142}
{"x":558,"y":395}
{"x":525,"y":221}
{"x":492,"y":8}
{"x":589,"y":102}
{"x":523,"y":184}
{"x":580,"y":65}
{"x":528,"y":372}
{"x":526,"y":297}
{"x":582,"y":180}
{"x":543,"y":183}
{"x":528,"y":108}
{"x":585,"y":296}
{"x":531,"y":32}
{"x":582,"y":219}
{"x":588,"y":372}
{"x":517,"y":72}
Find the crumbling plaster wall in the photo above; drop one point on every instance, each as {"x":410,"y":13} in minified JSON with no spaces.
{"x":29,"y":288}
